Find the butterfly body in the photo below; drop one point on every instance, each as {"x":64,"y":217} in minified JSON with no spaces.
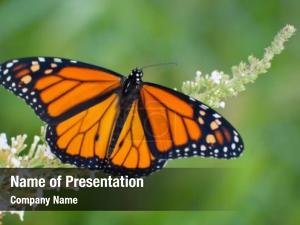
{"x":129,"y":93}
{"x":100,"y":119}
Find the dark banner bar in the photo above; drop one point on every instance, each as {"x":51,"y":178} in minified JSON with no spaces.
{"x":80,"y":189}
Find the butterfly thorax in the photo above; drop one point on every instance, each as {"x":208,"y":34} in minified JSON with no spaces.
{"x":130,"y":91}
{"x":133,"y":81}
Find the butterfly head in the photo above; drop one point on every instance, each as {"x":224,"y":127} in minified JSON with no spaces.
{"x":133,"y":81}
{"x":137,"y":73}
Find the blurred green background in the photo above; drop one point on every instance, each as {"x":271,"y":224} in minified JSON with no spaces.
{"x":199,"y":35}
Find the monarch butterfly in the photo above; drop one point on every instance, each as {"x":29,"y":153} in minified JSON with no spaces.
{"x":100,"y":119}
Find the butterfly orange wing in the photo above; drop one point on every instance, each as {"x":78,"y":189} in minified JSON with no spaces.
{"x":84,"y":138}
{"x":58,"y":88}
{"x":131,"y":154}
{"x":179,"y":126}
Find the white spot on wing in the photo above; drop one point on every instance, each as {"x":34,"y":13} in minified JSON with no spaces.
{"x":204,"y":107}
{"x":41,"y":59}
{"x":236,"y":139}
{"x":8,"y":65}
{"x":58,"y":60}
{"x":192,"y":99}
{"x":24,"y":90}
{"x":216,"y":115}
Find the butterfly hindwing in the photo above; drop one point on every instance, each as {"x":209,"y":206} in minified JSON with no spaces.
{"x":179,"y":126}
{"x":130,"y":154}
{"x":58,"y":88}
{"x":84,"y":138}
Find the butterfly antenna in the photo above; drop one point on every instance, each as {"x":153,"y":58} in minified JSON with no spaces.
{"x":159,"y":64}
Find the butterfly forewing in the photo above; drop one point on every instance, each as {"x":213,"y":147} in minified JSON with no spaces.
{"x":179,"y":126}
{"x":58,"y":88}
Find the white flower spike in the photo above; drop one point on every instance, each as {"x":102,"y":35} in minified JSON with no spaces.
{"x":215,"y":88}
